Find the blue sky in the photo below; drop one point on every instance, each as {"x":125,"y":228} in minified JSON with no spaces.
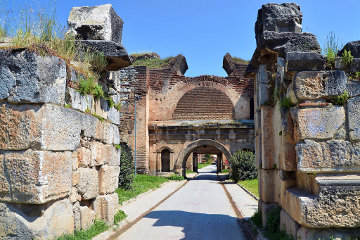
{"x":205,"y":30}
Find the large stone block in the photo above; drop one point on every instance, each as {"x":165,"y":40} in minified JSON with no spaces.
{"x":311,"y":85}
{"x":88,"y":186}
{"x":87,"y":217}
{"x":107,"y":133}
{"x":79,"y":101}
{"x":354,"y":47}
{"x":36,"y":221}
{"x":83,"y":157}
{"x":115,"y":53}
{"x":285,"y":17}
{"x":38,"y":126}
{"x":287,"y":153}
{"x":268,"y":147}
{"x":320,"y":123}
{"x":100,"y":153}
{"x":34,"y":176}
{"x":263,"y":86}
{"x":108,"y":179}
{"x":305,"y":61}
{"x":305,"y":233}
{"x":353,"y":118}
{"x":115,"y":157}
{"x":333,"y":155}
{"x":269,"y":186}
{"x":95,"y":23}
{"x":265,"y":209}
{"x":337,"y":204}
{"x":106,"y":206}
{"x":28,"y":77}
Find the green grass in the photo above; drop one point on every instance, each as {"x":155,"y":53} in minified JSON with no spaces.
{"x":202,"y":165}
{"x":154,"y":62}
{"x":225,"y":170}
{"x":119,"y":216}
{"x":95,"y":229}
{"x":251,"y":186}
{"x":189,"y":171}
{"x":240,"y":60}
{"x":142,"y":183}
{"x":175,"y":177}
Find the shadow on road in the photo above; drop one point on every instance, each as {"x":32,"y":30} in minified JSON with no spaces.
{"x":199,"y":225}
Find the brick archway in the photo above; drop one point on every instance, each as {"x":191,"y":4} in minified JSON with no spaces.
{"x":185,"y":153}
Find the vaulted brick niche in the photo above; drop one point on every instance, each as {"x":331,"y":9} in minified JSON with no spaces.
{"x":204,"y":103}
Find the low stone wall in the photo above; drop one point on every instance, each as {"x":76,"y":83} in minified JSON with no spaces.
{"x":59,"y":163}
{"x":307,"y":148}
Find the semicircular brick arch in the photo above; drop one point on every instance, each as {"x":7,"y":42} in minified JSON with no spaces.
{"x":204,"y":103}
{"x":184,"y":154}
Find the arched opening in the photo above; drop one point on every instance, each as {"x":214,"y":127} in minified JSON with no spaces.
{"x":165,"y":160}
{"x":203,"y":146}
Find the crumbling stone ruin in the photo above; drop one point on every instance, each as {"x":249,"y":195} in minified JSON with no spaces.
{"x":59,"y":166}
{"x":307,"y":150}
{"x":60,"y":153}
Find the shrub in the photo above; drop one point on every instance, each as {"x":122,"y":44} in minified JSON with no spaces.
{"x":273,"y":220}
{"x":126,"y":176}
{"x":243,"y":166}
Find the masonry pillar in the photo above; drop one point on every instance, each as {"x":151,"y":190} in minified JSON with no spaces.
{"x":219,"y":162}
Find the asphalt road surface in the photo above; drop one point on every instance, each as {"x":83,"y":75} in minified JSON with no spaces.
{"x":199,"y":210}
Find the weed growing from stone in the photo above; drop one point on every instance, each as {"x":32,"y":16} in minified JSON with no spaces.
{"x":347,"y":58}
{"x":286,"y":102}
{"x":89,"y":86}
{"x":331,"y":49}
{"x":341,"y":99}
{"x":117,"y":106}
{"x":99,"y":117}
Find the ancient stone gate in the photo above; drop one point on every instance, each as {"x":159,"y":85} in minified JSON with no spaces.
{"x":173,"y":112}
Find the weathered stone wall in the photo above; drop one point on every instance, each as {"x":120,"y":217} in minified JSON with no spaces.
{"x":59,"y":163}
{"x":307,"y":150}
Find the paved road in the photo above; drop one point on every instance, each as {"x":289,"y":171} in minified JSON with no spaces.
{"x":199,"y":210}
